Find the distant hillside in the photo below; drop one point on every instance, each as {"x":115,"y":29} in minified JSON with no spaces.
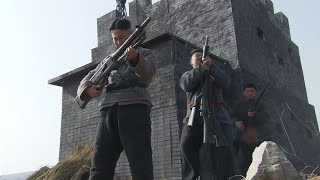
{"x":18,"y":176}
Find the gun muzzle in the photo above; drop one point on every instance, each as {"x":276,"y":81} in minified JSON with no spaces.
{"x":205,"y":49}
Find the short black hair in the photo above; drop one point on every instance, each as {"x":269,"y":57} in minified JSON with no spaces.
{"x":195,"y":51}
{"x":123,"y":24}
{"x":249,"y":85}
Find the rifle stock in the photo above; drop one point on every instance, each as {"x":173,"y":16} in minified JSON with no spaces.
{"x":195,"y":106}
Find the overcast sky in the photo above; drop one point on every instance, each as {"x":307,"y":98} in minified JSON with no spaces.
{"x":40,"y":40}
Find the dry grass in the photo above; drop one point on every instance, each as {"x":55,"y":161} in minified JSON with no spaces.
{"x":75,"y":167}
{"x":311,"y":175}
{"x":314,"y":177}
{"x":237,"y":177}
{"x":40,"y":174}
{"x":303,"y":174}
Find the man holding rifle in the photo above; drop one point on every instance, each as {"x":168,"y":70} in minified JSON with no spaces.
{"x":193,"y":133}
{"x":250,"y":117}
{"x":125,"y":111}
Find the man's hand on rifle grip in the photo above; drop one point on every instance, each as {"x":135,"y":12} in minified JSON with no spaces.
{"x":239,"y":125}
{"x":251,"y":114}
{"x":132,"y":54}
{"x":207,"y":64}
{"x":94,"y":91}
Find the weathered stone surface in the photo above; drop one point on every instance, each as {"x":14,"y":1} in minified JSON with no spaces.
{"x":269,"y":163}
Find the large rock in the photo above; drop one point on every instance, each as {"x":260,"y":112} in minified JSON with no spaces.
{"x":269,"y":163}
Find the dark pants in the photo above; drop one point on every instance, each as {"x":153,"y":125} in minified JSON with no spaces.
{"x":190,"y":143}
{"x":123,"y":128}
{"x":244,"y":153}
{"x":245,"y":157}
{"x":218,"y":163}
{"x":205,"y":160}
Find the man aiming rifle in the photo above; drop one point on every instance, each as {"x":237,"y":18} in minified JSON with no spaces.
{"x":205,"y":103}
{"x":125,"y":109}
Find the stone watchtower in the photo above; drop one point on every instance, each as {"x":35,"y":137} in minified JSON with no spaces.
{"x":248,"y":39}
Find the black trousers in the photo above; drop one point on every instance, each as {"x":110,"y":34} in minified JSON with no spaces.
{"x":244,"y":155}
{"x":125,"y":128}
{"x":246,"y":151}
{"x":190,"y":144}
{"x":205,"y":160}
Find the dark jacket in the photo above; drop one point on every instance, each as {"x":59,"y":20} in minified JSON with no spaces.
{"x":190,"y":82}
{"x":240,"y":113}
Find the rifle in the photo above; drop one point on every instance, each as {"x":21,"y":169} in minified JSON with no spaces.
{"x":251,"y":133}
{"x":255,"y":106}
{"x":197,"y":99}
{"x":115,"y":60}
{"x":211,"y":126}
{"x":205,"y":102}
